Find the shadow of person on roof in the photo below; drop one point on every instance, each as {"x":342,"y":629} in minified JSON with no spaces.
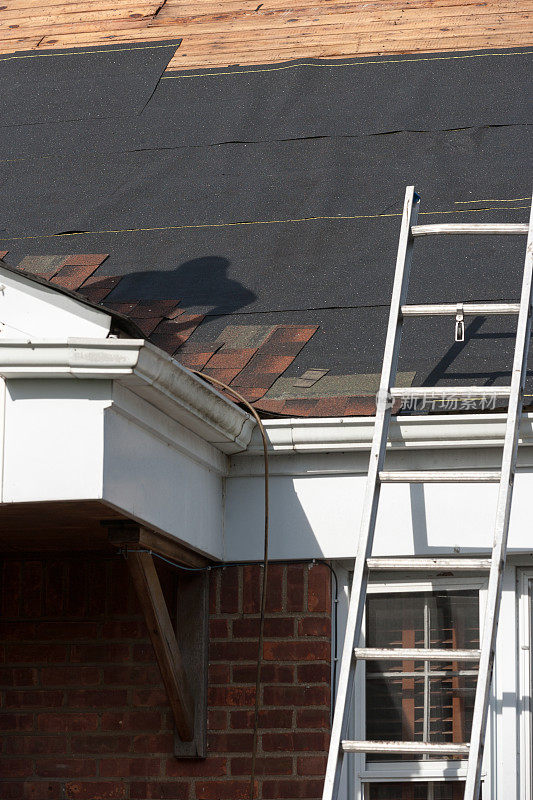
{"x":201,"y":284}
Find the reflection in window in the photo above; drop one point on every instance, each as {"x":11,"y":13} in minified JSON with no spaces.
{"x":421,"y":700}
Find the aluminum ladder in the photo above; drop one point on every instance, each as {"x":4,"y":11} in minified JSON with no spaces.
{"x":376,"y":476}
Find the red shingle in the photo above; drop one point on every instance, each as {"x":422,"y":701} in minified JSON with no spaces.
{"x":71,"y":276}
{"x":96,"y":288}
{"x":85,"y":259}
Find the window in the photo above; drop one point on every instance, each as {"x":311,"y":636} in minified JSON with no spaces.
{"x":421,"y":700}
{"x":417,"y":700}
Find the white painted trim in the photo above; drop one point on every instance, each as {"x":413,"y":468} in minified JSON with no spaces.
{"x":463,"y":431}
{"x":144,"y":369}
{"x":525,"y":681}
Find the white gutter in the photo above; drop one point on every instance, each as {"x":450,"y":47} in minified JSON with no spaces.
{"x":414,"y":432}
{"x":144,"y":369}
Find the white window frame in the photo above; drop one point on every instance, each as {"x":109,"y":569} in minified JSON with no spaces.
{"x":416,"y":771}
{"x":525,"y":658}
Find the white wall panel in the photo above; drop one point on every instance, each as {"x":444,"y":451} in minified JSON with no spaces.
{"x":53,"y":447}
{"x":153,"y":481}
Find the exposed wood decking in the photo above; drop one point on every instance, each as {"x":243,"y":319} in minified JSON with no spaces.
{"x":217,"y":34}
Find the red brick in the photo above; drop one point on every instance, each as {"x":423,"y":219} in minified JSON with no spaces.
{"x":296,"y":741}
{"x":270,"y":673}
{"x":314,"y":673}
{"x":296,"y":695}
{"x":212,"y":767}
{"x":15,"y":768}
{"x":124,"y":629}
{"x":70,"y":676}
{"x":274,"y":627}
{"x":142,"y":652}
{"x":251,"y":589}
{"x":230,"y":742}
{"x":219,"y":673}
{"x":214,"y":586}
{"x":271,"y":718}
{"x":313,"y":718}
{"x":233,"y":651}
{"x":296,"y":651}
{"x":41,"y":790}
{"x":295,"y":588}
{"x":131,"y":721}
{"x":97,"y":698}
{"x":32,"y":597}
{"x":271,"y":765}
{"x":11,"y":588}
{"x":33,"y":699}
{"x":65,"y":630}
{"x":217,"y":720}
{"x":76,"y":589}
{"x":16,"y":722}
{"x":65,"y":768}
{"x":110,"y":653}
{"x":311,"y":765}
{"x":100,"y":743}
{"x":318,"y":589}
{"x":102,"y":790}
{"x":231,"y":696}
{"x":129,"y":767}
{"x":35,"y":745}
{"x":160,"y":791}
{"x":296,"y":788}
{"x":229,"y":591}
{"x":19,"y":676}
{"x":314,"y":626}
{"x":222,"y":790}
{"x":275,"y":580}
{"x":132,"y":676}
{"x":218,"y":629}
{"x":36,"y":653}
{"x":153,"y":743}
{"x":55,"y":723}
{"x":149,"y":697}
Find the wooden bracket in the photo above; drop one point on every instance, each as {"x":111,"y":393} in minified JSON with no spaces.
{"x":182,"y":655}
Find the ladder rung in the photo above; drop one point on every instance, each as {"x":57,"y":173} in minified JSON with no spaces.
{"x":429,"y":564}
{"x":405,"y":747}
{"x":462,"y":227}
{"x":414,"y":654}
{"x":446,"y":392}
{"x":467,"y":308}
{"x":441,"y":476}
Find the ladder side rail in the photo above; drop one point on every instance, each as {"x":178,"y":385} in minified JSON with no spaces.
{"x":370,"y":503}
{"x":501,"y":527}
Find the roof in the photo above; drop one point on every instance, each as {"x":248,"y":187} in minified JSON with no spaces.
{"x":215,"y":36}
{"x":251,"y":216}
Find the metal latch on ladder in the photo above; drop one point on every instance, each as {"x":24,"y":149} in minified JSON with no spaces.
{"x":459,"y":323}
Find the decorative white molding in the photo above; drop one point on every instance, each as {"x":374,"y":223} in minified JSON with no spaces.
{"x":144,"y":369}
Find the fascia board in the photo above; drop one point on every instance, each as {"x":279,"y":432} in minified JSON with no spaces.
{"x":416,"y":432}
{"x":144,"y":369}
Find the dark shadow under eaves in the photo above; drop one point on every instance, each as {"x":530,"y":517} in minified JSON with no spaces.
{"x":201,"y":283}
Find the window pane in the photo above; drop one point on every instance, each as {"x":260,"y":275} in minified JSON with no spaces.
{"x":415,"y":791}
{"x":417,"y":700}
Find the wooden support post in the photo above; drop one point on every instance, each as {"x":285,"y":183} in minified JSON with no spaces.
{"x":148,"y":588}
{"x":182,"y":655}
{"x":193,"y":637}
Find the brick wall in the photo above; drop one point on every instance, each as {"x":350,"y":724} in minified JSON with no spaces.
{"x":83,"y":714}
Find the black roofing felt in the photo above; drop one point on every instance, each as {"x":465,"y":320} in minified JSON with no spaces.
{"x":201,"y":197}
{"x":51,"y":86}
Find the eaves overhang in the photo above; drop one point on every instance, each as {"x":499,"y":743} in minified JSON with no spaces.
{"x":142,"y":368}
